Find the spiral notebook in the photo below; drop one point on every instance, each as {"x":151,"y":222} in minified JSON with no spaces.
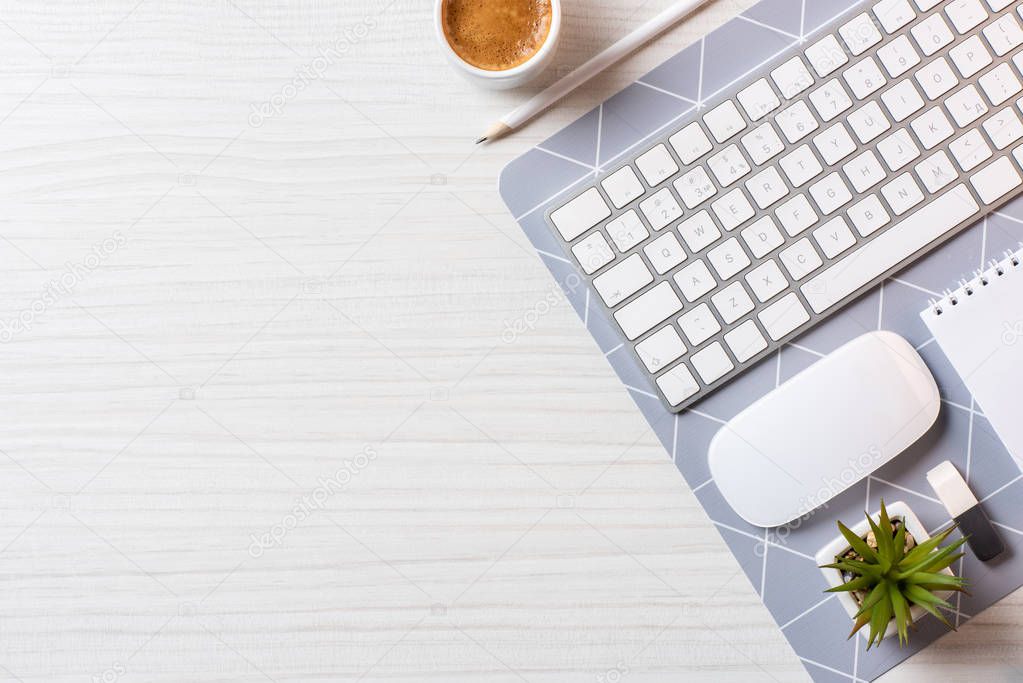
{"x":979,"y":326}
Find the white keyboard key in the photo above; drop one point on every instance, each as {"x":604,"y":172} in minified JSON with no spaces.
{"x":966,"y":106}
{"x":826,"y":56}
{"x":728,"y":165}
{"x":898,"y":56}
{"x":762,"y":237}
{"x":796,"y":215}
{"x":660,"y":209}
{"x":699,"y":325}
{"x":898,"y":149}
{"x":627,"y":231}
{"x":648,"y":309}
{"x":970,"y":56}
{"x":864,"y":78}
{"x":657,"y":165}
{"x":712,"y":363}
{"x":766,"y":280}
{"x":1004,"y":128}
{"x":580,"y":214}
{"x":792,"y":78}
{"x":868,"y":215}
{"x":970,"y":150}
{"x":966,"y":14}
{"x":733,"y":209}
{"x":664,"y":253}
{"x":834,"y":144}
{"x":1000,"y":84}
{"x":902,"y":193}
{"x":902,"y":100}
{"x":690,"y":143}
{"x":593,"y":253}
{"x":1004,"y":35}
{"x":1017,"y":154}
{"x":999,"y":5}
{"x":860,"y":34}
{"x":864,"y":171}
{"x":890,"y":248}
{"x":869,"y":122}
{"x":695,"y":187}
{"x":894,"y":14}
{"x":732,"y":302}
{"x":767,"y":187}
{"x":936,"y":172}
{"x":830,"y":193}
{"x":762,"y":143}
{"x":996,"y":180}
{"x":758,"y":99}
{"x":796,"y":122}
{"x":800,"y":259}
{"x":661,"y":348}
{"x":695,"y":280}
{"x":932,"y":128}
{"x":830,"y":100}
{"x":925,"y":5}
{"x":936,"y":78}
{"x":728,"y":258}
{"x":622,"y":281}
{"x":745,"y":341}
{"x":800,"y":166}
{"x":699,"y":231}
{"x":622,"y":186}
{"x":783,"y":316}
{"x":677,"y":384}
{"x":834,"y":237}
{"x":724,"y":121}
{"x":932,"y":34}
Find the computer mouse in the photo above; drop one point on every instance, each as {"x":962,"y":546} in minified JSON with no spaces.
{"x":825,"y":429}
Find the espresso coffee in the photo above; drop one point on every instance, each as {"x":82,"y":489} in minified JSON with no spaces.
{"x":496,"y":35}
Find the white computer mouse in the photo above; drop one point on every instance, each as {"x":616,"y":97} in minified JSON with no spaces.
{"x":824,"y":430}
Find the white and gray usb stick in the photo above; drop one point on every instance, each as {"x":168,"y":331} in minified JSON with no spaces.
{"x":962,"y":505}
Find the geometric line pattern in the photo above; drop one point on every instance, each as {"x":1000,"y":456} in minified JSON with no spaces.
{"x":779,"y":562}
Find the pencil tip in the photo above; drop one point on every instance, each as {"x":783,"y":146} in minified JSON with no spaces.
{"x":481,"y":140}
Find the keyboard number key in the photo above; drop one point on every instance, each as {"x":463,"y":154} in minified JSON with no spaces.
{"x":932,"y":34}
{"x":898,"y":56}
{"x":627,"y":231}
{"x":695,"y":187}
{"x":762,"y":144}
{"x":660,"y":209}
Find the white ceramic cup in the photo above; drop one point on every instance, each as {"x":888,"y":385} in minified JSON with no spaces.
{"x":506,"y":78}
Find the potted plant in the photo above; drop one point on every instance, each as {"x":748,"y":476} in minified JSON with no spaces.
{"x":889,"y":572}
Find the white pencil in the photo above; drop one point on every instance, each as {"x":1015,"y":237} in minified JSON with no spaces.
{"x":642,"y":35}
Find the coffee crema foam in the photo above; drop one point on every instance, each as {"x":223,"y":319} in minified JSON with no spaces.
{"x":496,"y":35}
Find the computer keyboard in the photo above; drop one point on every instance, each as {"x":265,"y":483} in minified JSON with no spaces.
{"x":809,"y":183}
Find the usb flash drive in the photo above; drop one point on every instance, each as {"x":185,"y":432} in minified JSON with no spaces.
{"x":962,"y":505}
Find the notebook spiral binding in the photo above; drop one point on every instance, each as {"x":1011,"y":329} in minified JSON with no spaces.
{"x":1011,"y":261}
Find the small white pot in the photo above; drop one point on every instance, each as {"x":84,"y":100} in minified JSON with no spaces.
{"x":840,"y":546}
{"x":507,"y":78}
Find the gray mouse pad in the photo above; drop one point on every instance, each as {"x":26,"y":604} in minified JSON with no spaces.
{"x":780,"y":562}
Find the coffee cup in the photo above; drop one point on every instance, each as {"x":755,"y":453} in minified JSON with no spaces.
{"x":501,"y":72}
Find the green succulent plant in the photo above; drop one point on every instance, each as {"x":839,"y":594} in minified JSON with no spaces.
{"x":891,"y":577}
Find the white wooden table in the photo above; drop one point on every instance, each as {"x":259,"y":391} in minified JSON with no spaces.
{"x":261,"y":418}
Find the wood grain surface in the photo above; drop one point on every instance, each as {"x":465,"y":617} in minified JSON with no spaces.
{"x":262,"y":418}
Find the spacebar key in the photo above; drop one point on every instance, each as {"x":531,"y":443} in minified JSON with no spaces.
{"x":890,"y":248}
